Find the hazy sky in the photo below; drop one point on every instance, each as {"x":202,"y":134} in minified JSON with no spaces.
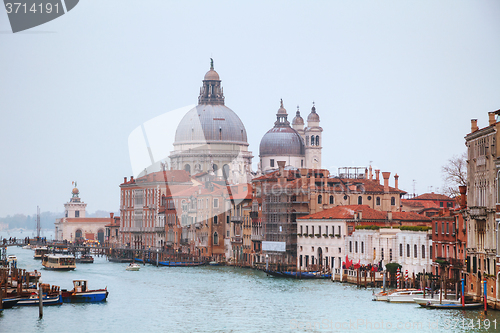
{"x":394,"y":82}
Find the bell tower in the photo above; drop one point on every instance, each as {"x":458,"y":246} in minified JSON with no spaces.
{"x":313,"y":140}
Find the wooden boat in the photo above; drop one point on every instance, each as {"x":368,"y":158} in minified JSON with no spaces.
{"x":116,"y":259}
{"x":299,"y":275}
{"x":180,"y":263}
{"x":40,"y":252}
{"x":46,"y":300}
{"x":81,"y":294}
{"x":85,"y":259}
{"x":406,"y":296}
{"x":133,"y":267}
{"x":382,"y":296}
{"x":59,"y":262}
{"x":447,"y":305}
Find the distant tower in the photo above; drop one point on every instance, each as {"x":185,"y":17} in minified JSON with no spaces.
{"x":298,"y":124}
{"x":313,"y":140}
{"x":75,"y":207}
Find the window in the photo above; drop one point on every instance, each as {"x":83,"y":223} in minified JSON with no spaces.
{"x":216,"y":238}
{"x":393,"y":201}
{"x":453,"y":228}
{"x":423,"y":251}
{"x":449,"y":204}
{"x":362,"y":247}
{"x":415,"y":251}
{"x":301,"y":229}
{"x":382,"y":253}
{"x":319,"y":230}
{"x":378,"y":201}
{"x":390,"y":255}
{"x":227,"y":219}
{"x":442,"y":228}
{"x":400,"y":249}
{"x":320,"y":199}
{"x":272,"y":163}
{"x":430,"y":252}
{"x":312,"y":230}
{"x":331,"y":199}
{"x":356,"y":246}
{"x":436,"y":228}
{"x":216,"y":218}
{"x":350,"y":246}
{"x":447,"y":228}
{"x":77,"y":213}
{"x":317,"y":140}
{"x":408,"y":250}
{"x":216,"y":203}
{"x":326,"y":230}
{"x":360,"y":200}
{"x":340,"y":229}
{"x":441,"y":204}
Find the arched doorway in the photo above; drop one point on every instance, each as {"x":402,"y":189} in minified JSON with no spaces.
{"x":100,"y":236}
{"x":78,"y":234}
{"x":320,"y":257}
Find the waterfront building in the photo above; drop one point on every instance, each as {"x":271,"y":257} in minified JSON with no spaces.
{"x":113,"y":232}
{"x":211,"y":137}
{"x":75,"y":226}
{"x":141,"y":225}
{"x":483,"y":166}
{"x":449,"y":239}
{"x":409,"y":248}
{"x":428,"y":204}
{"x":323,"y":237}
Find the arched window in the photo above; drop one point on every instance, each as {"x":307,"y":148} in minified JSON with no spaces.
{"x":415,"y":251}
{"x":317,"y":140}
{"x":378,"y":201}
{"x":331,"y":199}
{"x":408,"y":250}
{"x":362,"y":247}
{"x":216,"y":219}
{"x":400,"y":249}
{"x":423,"y":251}
{"x":216,"y":238}
{"x":360,"y":200}
{"x":393,"y":201}
{"x":187,"y":168}
{"x":320,"y":199}
{"x":225,"y":171}
{"x":350,"y":246}
{"x":356,"y":246}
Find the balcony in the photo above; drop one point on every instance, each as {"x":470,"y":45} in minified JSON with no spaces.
{"x":237,"y":239}
{"x":169,"y":243}
{"x":237,"y":219}
{"x":254,"y":215}
{"x":477,"y":212}
{"x":159,"y":229}
{"x":257,"y":238}
{"x":184,"y":241}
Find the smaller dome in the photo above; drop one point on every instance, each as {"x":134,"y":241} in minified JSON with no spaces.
{"x":297,"y":120}
{"x":212,"y":75}
{"x":313,"y":116}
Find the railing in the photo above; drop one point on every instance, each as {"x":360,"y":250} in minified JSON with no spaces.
{"x":257,"y":237}
{"x":159,"y":229}
{"x":237,"y":219}
{"x":236,"y":239}
{"x":477,"y":212}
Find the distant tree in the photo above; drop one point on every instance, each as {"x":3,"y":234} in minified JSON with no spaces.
{"x":454,"y":174}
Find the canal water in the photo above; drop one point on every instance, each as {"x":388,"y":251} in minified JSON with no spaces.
{"x":225,"y":299}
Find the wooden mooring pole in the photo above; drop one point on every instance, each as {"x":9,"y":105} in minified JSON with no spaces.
{"x":40,"y":299}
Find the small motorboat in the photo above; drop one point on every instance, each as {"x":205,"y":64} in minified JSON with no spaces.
{"x":448,"y":305}
{"x":85,"y":259}
{"x":46,"y":300}
{"x":133,"y":267}
{"x":382,"y":296}
{"x":405,"y":296}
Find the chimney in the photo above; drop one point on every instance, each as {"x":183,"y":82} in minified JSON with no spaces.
{"x":370,"y":173}
{"x":111,"y":215}
{"x":386,"y":176}
{"x":389,"y":215}
{"x":124,"y":179}
{"x":396,"y":178}
{"x":131,"y":178}
{"x":463,"y":196}
{"x":473,"y":125}
{"x":491,"y":116}
{"x":377,"y":176}
{"x":366,"y":173}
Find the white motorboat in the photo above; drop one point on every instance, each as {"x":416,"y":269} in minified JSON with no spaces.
{"x":382,"y":296}
{"x":133,"y":267}
{"x":406,"y":296}
{"x":428,"y":300}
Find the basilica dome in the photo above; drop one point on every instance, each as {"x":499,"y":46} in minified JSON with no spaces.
{"x":207,"y":123}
